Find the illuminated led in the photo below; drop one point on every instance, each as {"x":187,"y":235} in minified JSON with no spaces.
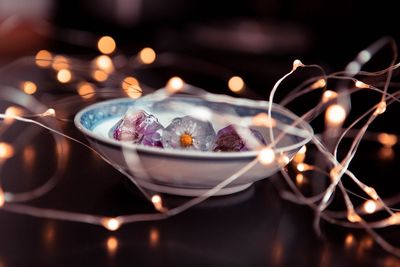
{"x":300,"y":178}
{"x":86,"y":90}
{"x":106,"y":45}
{"x":6,"y":150}
{"x":301,"y":155}
{"x":263,"y":120}
{"x":147,"y":55}
{"x":112,"y":244}
{"x":301,"y":167}
{"x":321,"y":83}
{"x":60,"y":62}
{"x":100,"y":75}
{"x":266,"y":156}
{"x":394,"y":219}
{"x":111,"y":224}
{"x":360,"y":84}
{"x":369,"y":206}
{"x":380,"y":108}
{"x":43,"y":59}
{"x":64,"y":76}
{"x":388,"y":140}
{"x":371,"y":192}
{"x":154,"y":237}
{"x":328,"y":95}
{"x":174,"y":85}
{"x":283,"y":160}
{"x":131,"y":87}
{"x":29,"y":87}
{"x":128,"y":82}
{"x":349,"y":241}
{"x":236,"y":84}
{"x":105,"y":63}
{"x":12,"y":112}
{"x":157,"y":202}
{"x":353,"y":217}
{"x":335,"y":115}
{"x":2,"y":198}
{"x":297,"y":63}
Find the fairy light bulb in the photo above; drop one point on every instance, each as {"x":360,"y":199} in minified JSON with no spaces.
{"x":371,"y":192}
{"x":321,"y":83}
{"x":352,"y":216}
{"x":236,"y":84}
{"x":12,"y":112}
{"x":388,"y":140}
{"x":131,"y":87}
{"x":49,"y":113}
{"x":349,"y":241}
{"x":6,"y":150}
{"x":335,"y":115}
{"x":2,"y":198}
{"x":263,"y":120}
{"x":300,"y":155}
{"x":29,"y":87}
{"x":64,"y":76}
{"x":360,"y":84}
{"x":43,"y":59}
{"x":297,"y":63}
{"x":99,"y":75}
{"x":112,"y":244}
{"x":380,"y":108}
{"x":300,"y":178}
{"x":328,"y":95}
{"x":85,"y":90}
{"x":394,"y":219}
{"x":266,"y":156}
{"x":157,"y":202}
{"x":174,"y":85}
{"x":154,"y":237}
{"x":370,"y":206}
{"x":147,"y":55}
{"x":111,"y":224}
{"x":60,"y":62}
{"x":105,"y":63}
{"x":302,"y":167}
{"x":106,"y":45}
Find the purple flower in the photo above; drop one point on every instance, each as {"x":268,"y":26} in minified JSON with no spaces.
{"x":189,"y":133}
{"x":229,"y":140}
{"x":140,"y":128}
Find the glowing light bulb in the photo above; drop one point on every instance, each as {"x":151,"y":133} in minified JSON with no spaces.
{"x":112,"y":244}
{"x":100,"y":75}
{"x":236,"y":84}
{"x":131,"y":87}
{"x":106,"y":45}
{"x":381,"y":108}
{"x":263,"y":120}
{"x":174,"y":85}
{"x":328,"y":95}
{"x":12,"y":112}
{"x":49,"y":113}
{"x":394,"y":219}
{"x":43,"y":59}
{"x":369,"y":206}
{"x":147,"y":55}
{"x":353,"y":217}
{"x":85,"y":90}
{"x":266,"y":156}
{"x":154,"y":237}
{"x":301,"y":155}
{"x":64,"y":76}
{"x":6,"y":150}
{"x":105,"y":63}
{"x":388,"y":140}
{"x":300,"y":178}
{"x":297,"y":63}
{"x":321,"y":83}
{"x":360,"y":84}
{"x":302,"y":167}
{"x":157,"y":202}
{"x":60,"y":62}
{"x":335,"y":115}
{"x":29,"y":87}
{"x":2,"y":198}
{"x":111,"y":224}
{"x":371,"y":192}
{"x":283,"y":160}
{"x":349,"y":241}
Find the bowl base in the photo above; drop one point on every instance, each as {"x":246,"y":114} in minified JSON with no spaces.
{"x":192,"y":192}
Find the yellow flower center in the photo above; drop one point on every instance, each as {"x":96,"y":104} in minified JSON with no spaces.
{"x":186,"y":140}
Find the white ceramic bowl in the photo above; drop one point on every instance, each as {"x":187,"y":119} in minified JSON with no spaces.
{"x":186,"y":172}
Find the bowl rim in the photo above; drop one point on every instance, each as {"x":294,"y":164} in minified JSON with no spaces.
{"x":192,"y":153}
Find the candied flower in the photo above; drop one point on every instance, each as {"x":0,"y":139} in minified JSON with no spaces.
{"x":229,"y":140}
{"x":139,"y":127}
{"x":189,"y":133}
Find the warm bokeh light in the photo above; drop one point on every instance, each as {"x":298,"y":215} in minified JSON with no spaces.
{"x":371,"y":192}
{"x":297,"y":63}
{"x":380,"y":108}
{"x":360,"y":84}
{"x":300,"y":178}
{"x":29,"y":156}
{"x":157,"y":202}
{"x":301,"y":167}
{"x":335,"y":115}
{"x":388,"y":140}
{"x":353,"y":217}
{"x":112,"y":244}
{"x":60,"y":62}
{"x":370,"y":206}
{"x":386,"y":153}
{"x":131,"y":87}
{"x":106,"y":45}
{"x":349,"y":241}
{"x":11,"y":112}
{"x":147,"y":55}
{"x":64,"y":76}
{"x":43,"y":59}
{"x":105,"y":63}
{"x":29,"y":87}
{"x":300,"y":155}
{"x":266,"y":156}
{"x":6,"y":150}
{"x":321,"y":83}
{"x":328,"y":95}
{"x":236,"y":84}
{"x":100,"y":75}
{"x":263,"y":120}
{"x":111,"y":224}
{"x":86,"y":90}
{"x":51,"y":112}
{"x":174,"y":85}
{"x":2,"y":198}
{"x":154,"y":237}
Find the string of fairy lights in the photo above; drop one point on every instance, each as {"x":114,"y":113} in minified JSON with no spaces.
{"x":333,"y":105}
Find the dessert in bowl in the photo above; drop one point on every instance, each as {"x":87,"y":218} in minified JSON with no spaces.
{"x":169,"y":160}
